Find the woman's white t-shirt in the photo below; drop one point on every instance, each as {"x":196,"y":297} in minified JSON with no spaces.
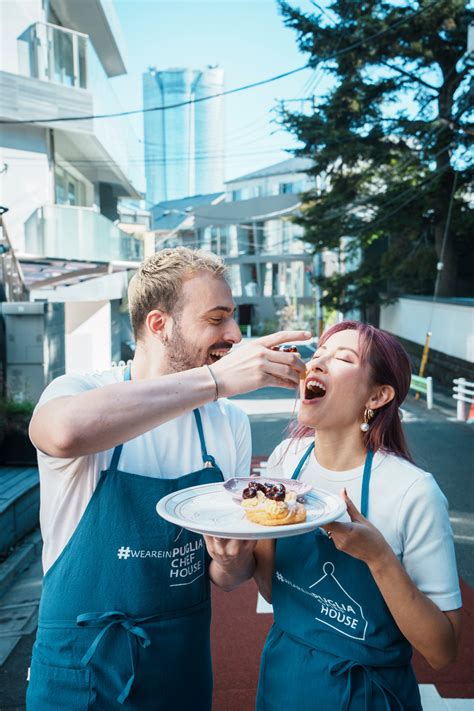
{"x":405,"y":504}
{"x":168,"y":451}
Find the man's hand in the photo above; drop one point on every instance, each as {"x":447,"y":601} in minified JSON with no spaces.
{"x":232,"y":562}
{"x":255,"y":365}
{"x":359,"y":538}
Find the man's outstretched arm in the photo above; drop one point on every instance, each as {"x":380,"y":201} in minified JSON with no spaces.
{"x":99,"y":419}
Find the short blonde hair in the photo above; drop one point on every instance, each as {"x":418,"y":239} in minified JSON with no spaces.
{"x":158,"y":281}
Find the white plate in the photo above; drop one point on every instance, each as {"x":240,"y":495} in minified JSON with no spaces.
{"x":210,"y":510}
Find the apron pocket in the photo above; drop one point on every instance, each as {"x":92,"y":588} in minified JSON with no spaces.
{"x":52,"y":688}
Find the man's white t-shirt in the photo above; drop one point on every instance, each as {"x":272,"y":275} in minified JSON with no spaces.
{"x":405,"y":504}
{"x":168,"y":451}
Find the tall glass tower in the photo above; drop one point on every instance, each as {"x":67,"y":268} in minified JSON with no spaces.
{"x":184,"y":146}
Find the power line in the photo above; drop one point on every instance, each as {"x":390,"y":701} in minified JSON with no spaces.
{"x":245,"y":87}
{"x":218,"y":155}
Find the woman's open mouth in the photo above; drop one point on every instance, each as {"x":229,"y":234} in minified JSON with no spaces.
{"x":314,"y":389}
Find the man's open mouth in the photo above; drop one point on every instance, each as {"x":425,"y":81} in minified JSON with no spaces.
{"x":314,"y":389}
{"x":217,"y":353}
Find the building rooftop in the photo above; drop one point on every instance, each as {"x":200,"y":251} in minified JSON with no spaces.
{"x":252,"y":210}
{"x":291,"y":165}
{"x":168,"y":215}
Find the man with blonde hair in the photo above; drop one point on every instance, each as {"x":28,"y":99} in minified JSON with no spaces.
{"x":125,"y":611}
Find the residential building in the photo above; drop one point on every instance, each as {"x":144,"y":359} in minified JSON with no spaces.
{"x":62,"y":180}
{"x":173,"y":221}
{"x":184,"y":146}
{"x":270,"y":266}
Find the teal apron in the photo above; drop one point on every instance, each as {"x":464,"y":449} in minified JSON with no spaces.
{"x":125,"y":612}
{"x":334,"y":643}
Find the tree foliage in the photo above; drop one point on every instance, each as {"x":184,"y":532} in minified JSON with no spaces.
{"x":392,"y":135}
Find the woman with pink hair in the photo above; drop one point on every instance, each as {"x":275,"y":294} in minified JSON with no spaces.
{"x":352,"y":600}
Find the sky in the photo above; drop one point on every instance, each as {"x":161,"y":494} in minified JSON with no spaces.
{"x":247,"y":39}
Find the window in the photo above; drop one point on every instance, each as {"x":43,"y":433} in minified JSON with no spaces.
{"x":68,"y":189}
{"x":284,"y":188}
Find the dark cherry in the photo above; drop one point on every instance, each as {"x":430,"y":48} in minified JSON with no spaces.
{"x":285,"y":349}
{"x":249,"y":493}
{"x":257,"y":486}
{"x":276,"y":492}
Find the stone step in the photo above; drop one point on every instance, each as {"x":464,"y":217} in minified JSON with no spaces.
{"x":19,"y":604}
{"x":26,"y":552}
{"x":19,"y":504}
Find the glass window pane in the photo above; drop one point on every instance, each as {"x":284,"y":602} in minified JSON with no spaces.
{"x":82,"y":66}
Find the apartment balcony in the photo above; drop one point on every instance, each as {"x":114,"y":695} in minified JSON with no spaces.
{"x":67,"y":232}
{"x":60,"y":74}
{"x":51,"y":78}
{"x":56,"y":54}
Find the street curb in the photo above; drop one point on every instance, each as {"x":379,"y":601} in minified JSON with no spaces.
{"x":20,"y":560}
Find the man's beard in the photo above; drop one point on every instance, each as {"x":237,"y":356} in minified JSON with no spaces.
{"x":181,"y":356}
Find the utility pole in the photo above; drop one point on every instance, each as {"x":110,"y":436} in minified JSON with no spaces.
{"x":317,"y":272}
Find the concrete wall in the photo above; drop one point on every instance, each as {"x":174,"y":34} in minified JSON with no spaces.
{"x":451,"y":322}
{"x":88,"y":336}
{"x":27,"y":182}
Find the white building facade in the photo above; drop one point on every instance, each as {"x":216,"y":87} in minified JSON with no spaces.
{"x":61,"y":180}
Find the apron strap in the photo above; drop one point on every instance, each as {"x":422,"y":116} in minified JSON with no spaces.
{"x":364,"y":503}
{"x":118,"y":449}
{"x":109,"y":620}
{"x":208,"y":459}
{"x":302,"y":461}
{"x":364,"y":507}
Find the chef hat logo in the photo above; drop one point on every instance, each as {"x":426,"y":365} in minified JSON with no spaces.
{"x":336,"y":607}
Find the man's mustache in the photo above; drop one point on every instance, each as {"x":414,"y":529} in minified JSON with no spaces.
{"x":220,"y":346}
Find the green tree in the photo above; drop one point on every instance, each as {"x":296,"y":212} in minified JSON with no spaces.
{"x":392,"y":135}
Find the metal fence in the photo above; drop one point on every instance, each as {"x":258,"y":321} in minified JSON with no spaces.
{"x":424,"y":386}
{"x":463,"y":392}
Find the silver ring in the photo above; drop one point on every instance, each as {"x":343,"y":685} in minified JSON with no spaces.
{"x":329,"y":534}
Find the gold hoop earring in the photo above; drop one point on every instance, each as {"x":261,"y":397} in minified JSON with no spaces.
{"x":368,"y":414}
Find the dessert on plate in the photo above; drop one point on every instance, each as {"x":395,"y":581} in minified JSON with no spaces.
{"x":271,"y":505}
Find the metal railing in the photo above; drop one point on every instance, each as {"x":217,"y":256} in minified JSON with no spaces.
{"x":463,"y":392}
{"x":55,"y":54}
{"x":423,"y":386}
{"x":74,"y":232}
{"x":12,"y":282}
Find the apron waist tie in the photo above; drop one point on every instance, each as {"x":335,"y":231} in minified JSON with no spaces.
{"x":371,"y":680}
{"x":109,"y":620}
